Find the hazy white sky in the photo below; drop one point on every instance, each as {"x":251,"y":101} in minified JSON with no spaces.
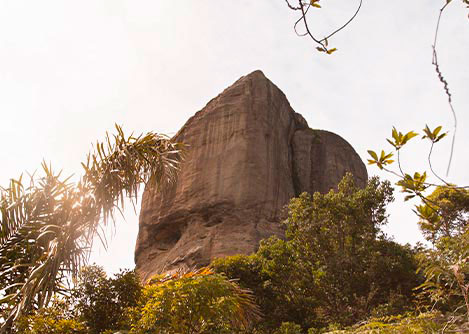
{"x":69,"y":70}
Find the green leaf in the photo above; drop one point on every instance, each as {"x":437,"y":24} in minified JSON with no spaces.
{"x":437,"y":130}
{"x":373,"y":155}
{"x":409,"y":135}
{"x":408,"y":197}
{"x":394,"y":132}
{"x":440,"y":137}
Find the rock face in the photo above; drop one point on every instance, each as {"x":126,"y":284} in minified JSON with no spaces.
{"x":248,"y":154}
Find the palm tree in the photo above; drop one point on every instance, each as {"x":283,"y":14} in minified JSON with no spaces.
{"x":47,"y":226}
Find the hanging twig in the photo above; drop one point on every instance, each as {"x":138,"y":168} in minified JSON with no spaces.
{"x":304,"y":7}
{"x":445,"y":85}
{"x":346,"y":24}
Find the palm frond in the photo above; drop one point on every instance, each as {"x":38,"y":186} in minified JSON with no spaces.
{"x":47,"y":229}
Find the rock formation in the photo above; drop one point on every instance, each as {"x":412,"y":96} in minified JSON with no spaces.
{"x":248,"y":154}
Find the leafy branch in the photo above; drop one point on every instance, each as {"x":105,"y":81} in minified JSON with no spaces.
{"x":416,"y":184}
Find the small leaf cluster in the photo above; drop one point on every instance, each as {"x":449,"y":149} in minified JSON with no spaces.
{"x":416,"y":184}
{"x":381,"y":161}
{"x":399,"y":139}
{"x":314,"y":3}
{"x":413,"y":185}
{"x":324,"y":48}
{"x":434,"y":136}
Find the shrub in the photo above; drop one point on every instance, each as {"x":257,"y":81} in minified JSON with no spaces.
{"x":55,"y":319}
{"x":201,"y":302}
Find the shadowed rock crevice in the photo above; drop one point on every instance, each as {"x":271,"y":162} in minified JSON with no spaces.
{"x":248,"y":154}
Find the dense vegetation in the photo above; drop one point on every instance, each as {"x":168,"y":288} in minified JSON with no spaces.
{"x":335,"y":266}
{"x":334,"y":272}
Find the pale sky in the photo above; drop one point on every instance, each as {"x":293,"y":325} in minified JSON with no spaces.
{"x":69,"y":70}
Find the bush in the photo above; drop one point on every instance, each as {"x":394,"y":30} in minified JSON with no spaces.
{"x":55,"y":319}
{"x":201,"y":302}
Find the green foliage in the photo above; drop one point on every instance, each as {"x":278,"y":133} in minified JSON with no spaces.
{"x":289,"y":328}
{"x":444,"y":213}
{"x":102,"y":302}
{"x":434,"y":136}
{"x":201,"y":302}
{"x":56,"y":319}
{"x":337,"y":241}
{"x":95,"y":305}
{"x":47,"y":227}
{"x":443,"y":219}
{"x":413,"y":185}
{"x":384,"y":159}
{"x":400,"y":139}
{"x":334,"y":266}
{"x":425,"y":323}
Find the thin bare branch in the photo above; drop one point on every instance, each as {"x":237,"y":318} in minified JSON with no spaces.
{"x":304,"y":8}
{"x":431,"y":167}
{"x":445,"y":85}
{"x":346,"y":24}
{"x":292,"y":7}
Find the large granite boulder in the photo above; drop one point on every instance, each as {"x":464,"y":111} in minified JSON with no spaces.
{"x":248,"y":154}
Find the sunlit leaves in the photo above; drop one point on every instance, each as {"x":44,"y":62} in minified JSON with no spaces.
{"x":48,"y":226}
{"x":197,"y":302}
{"x":399,"y":139}
{"x":381,"y":161}
{"x":315,"y":3}
{"x":434,"y":135}
{"x":413,"y":185}
{"x":444,"y":213}
{"x":429,"y":217}
{"x":328,"y":51}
